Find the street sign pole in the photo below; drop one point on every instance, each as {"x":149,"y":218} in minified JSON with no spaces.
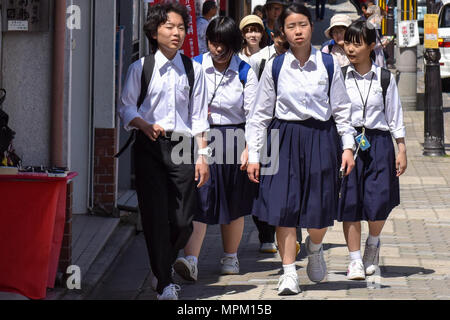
{"x":434,"y":115}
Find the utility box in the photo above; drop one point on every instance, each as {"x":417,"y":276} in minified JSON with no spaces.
{"x":25,"y":15}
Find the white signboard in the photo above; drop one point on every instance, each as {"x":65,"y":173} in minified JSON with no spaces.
{"x":17,"y":25}
{"x":408,"y":33}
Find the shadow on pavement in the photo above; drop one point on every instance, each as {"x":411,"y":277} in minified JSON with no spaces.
{"x":403,"y":271}
{"x":337,"y":285}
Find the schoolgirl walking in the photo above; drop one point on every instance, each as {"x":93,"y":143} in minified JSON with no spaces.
{"x":228,"y":196}
{"x":372,"y":190}
{"x":305,"y":90}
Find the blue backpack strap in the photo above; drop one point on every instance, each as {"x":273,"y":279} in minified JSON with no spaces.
{"x":276,"y":68}
{"x":199,"y":59}
{"x":244,"y":67}
{"x":329,"y":65}
{"x":329,"y":44}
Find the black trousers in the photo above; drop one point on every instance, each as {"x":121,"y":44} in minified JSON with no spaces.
{"x":266,"y":232}
{"x":320,"y":12}
{"x":167,"y":199}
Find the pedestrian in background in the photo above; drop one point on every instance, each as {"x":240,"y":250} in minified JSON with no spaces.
{"x":209,"y":10}
{"x":372,"y":190}
{"x":273,"y":10}
{"x":166,"y":191}
{"x":320,"y":9}
{"x":280,"y":45}
{"x":228,"y":196}
{"x":252,"y":28}
{"x":305,"y":91}
{"x":336,"y":31}
{"x":259,"y":11}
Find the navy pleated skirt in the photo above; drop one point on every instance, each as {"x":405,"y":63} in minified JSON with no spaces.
{"x":228,"y":194}
{"x":304,"y":192}
{"x":372,"y":189}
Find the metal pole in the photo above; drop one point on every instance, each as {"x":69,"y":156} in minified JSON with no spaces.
{"x":434,"y":115}
{"x":406,"y":64}
{"x":57,"y":116}
{"x":390,"y":32}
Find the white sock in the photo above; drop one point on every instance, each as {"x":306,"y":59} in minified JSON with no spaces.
{"x":373,"y":241}
{"x":355,"y":255}
{"x":230,"y":255}
{"x":314,"y":247}
{"x":289,"y":268}
{"x":192,"y":259}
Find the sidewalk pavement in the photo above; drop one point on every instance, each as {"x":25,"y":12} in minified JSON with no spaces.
{"x":415,"y":252}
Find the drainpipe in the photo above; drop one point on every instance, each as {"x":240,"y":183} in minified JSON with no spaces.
{"x":57,"y":106}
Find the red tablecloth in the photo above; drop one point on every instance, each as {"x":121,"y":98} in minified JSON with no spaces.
{"x":32,"y":217}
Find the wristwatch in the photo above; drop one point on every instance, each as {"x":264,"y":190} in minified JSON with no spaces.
{"x":205,"y":152}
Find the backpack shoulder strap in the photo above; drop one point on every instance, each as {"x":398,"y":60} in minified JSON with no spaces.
{"x":330,"y":47}
{"x":244,"y":67}
{"x":261,"y":68}
{"x":199,"y":59}
{"x":344,"y":71}
{"x":329,"y":65}
{"x":276,"y":68}
{"x":189,"y":68}
{"x":146,"y":77}
{"x":385,"y":81}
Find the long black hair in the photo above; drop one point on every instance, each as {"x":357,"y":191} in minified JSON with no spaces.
{"x":157,"y":16}
{"x":291,"y":9}
{"x":225,"y":31}
{"x":359,"y":31}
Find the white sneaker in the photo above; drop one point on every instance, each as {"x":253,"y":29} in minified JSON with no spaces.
{"x":268,"y":247}
{"x":186,"y":268}
{"x":170,"y":292}
{"x":371,"y":258}
{"x":288,"y":284}
{"x":356,"y":271}
{"x":316,"y":268}
{"x":230,"y":265}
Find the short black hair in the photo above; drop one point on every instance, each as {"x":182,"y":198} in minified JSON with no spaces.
{"x":208,"y":6}
{"x":363,"y":5}
{"x":277,"y":30}
{"x":224,"y":30}
{"x":291,"y":9}
{"x":259,"y":8}
{"x":358,"y":32}
{"x":157,"y":15}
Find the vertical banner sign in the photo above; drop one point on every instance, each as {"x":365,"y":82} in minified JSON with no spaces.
{"x":408,"y":33}
{"x":431,"y":31}
{"x":190,"y":46}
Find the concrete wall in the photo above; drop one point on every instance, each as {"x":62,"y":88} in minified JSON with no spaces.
{"x":26,"y":75}
{"x":104,"y":64}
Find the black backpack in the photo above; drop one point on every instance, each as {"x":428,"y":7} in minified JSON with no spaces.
{"x":146,"y":77}
{"x":385,"y":80}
